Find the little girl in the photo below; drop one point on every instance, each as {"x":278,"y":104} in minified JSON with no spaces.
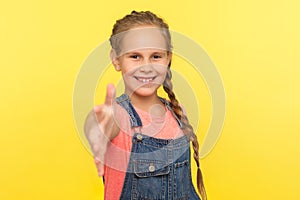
{"x":141,"y":141}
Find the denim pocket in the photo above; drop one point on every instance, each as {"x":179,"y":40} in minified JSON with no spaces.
{"x":150,"y":179}
{"x":182,"y":180}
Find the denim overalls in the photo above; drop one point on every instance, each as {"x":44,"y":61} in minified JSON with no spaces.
{"x":158,"y":169}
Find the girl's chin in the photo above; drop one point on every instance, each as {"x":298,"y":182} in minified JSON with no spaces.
{"x":144,"y":91}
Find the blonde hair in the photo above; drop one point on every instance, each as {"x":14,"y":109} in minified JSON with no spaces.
{"x":136,"y":19}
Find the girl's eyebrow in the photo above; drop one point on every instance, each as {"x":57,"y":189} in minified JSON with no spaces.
{"x":132,"y":52}
{"x":159,"y":52}
{"x":154,"y":52}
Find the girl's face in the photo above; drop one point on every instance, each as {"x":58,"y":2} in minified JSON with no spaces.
{"x":143,"y":60}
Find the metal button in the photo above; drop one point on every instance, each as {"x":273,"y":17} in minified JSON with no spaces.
{"x":151,"y":168}
{"x":139,"y":137}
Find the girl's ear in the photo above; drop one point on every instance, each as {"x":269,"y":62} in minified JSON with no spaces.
{"x":114,"y":59}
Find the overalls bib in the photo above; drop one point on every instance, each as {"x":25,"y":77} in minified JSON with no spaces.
{"x":158,"y":169}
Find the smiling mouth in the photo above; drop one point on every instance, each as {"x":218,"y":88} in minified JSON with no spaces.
{"x":145,"y":79}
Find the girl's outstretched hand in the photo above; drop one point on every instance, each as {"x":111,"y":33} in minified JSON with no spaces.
{"x":100,"y":127}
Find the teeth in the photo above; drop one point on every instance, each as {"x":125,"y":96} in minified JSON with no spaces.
{"x":145,"y":80}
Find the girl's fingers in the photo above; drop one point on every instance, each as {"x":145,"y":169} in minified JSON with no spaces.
{"x":110,"y":94}
{"x":98,"y":108}
{"x":99,"y":166}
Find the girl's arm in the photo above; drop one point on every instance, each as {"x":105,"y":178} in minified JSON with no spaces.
{"x":100,"y":127}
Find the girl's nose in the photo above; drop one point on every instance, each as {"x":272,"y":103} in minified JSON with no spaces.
{"x":146,"y":66}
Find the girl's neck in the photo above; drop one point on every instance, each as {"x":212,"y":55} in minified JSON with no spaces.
{"x":145,"y":102}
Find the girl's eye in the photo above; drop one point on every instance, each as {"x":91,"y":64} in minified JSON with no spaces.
{"x":134,"y":56}
{"x":157,"y":56}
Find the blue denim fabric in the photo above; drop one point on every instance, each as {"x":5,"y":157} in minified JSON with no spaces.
{"x":158,"y":169}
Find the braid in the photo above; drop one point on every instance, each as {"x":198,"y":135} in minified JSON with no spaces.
{"x":187,"y":129}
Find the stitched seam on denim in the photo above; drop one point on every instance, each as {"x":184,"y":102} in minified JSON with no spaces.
{"x":124,"y":101}
{"x":178,"y":142}
{"x":134,"y":195}
{"x":165,"y":146}
{"x":182,"y":164}
{"x":122,"y":98}
{"x":170,"y":177}
{"x":136,"y":118}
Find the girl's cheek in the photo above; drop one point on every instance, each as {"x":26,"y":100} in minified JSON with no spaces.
{"x":129,"y":69}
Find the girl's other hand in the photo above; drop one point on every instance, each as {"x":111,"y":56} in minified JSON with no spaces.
{"x":100,"y":127}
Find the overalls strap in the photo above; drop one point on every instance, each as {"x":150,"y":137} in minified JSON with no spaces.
{"x":135,"y":119}
{"x":168,"y":105}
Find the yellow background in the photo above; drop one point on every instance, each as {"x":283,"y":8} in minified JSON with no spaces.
{"x":254,"y":44}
